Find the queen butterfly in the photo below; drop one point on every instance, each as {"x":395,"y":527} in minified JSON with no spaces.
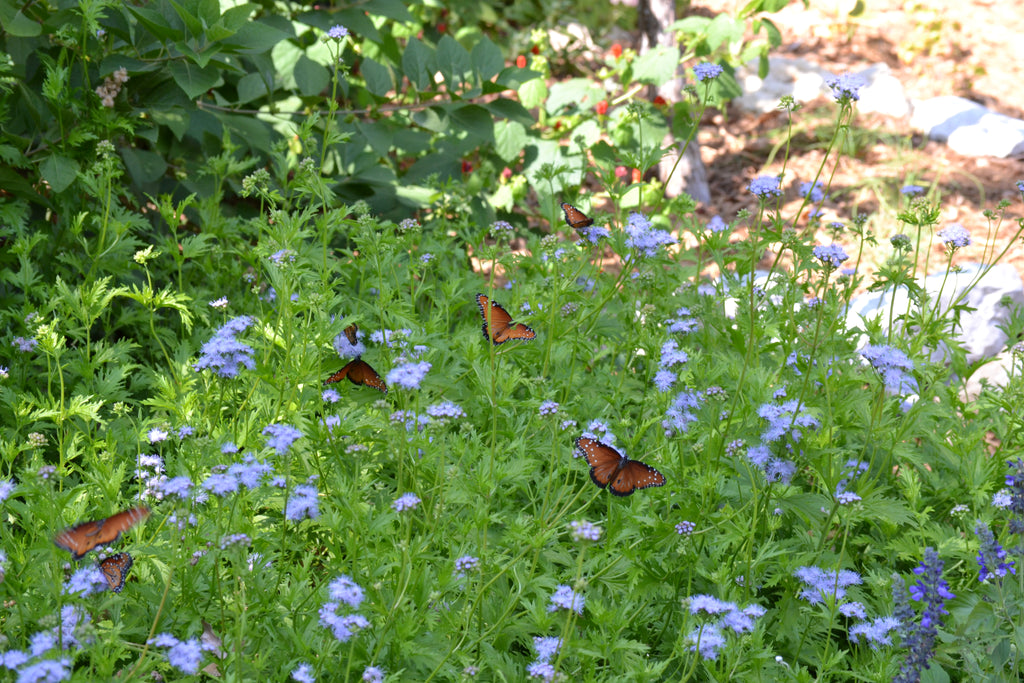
{"x":78,"y":540}
{"x":350,"y":332}
{"x":609,"y":468}
{"x":498,"y":325}
{"x":576,"y":218}
{"x":359,"y":372}
{"x":115,"y":570}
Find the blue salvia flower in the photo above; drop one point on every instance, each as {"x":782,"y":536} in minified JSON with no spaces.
{"x":1015,"y":501}
{"x":933,"y":591}
{"x":991,"y":555}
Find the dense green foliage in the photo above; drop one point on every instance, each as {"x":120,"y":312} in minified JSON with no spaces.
{"x":177,"y":281}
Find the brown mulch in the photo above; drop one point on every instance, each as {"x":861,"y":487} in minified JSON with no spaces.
{"x":969,"y":49}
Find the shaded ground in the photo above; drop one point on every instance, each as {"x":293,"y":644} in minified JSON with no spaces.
{"x":971,"y":49}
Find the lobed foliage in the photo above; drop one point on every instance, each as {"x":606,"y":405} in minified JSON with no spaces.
{"x":829,"y":488}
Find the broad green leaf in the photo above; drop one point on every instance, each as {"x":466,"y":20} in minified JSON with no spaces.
{"x":378,"y":77}
{"x":658,"y":66}
{"x":252,"y":86}
{"x":16,"y":24}
{"x":59,"y":171}
{"x":510,"y":138}
{"x":475,"y":120}
{"x":310,"y":78}
{"x":142,"y":165}
{"x":487,"y":59}
{"x":454,"y":63}
{"x":193,"y":80}
{"x":418,"y":64}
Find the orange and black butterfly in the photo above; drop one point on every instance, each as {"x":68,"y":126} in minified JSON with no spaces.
{"x":576,"y":218}
{"x":115,"y":570}
{"x":359,"y":372}
{"x":611,"y":469}
{"x":78,"y":540}
{"x":350,"y":332}
{"x":498,"y":326}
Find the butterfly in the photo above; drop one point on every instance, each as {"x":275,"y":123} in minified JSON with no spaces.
{"x":359,"y":372}
{"x":78,"y":540}
{"x":576,"y":218}
{"x":115,"y":570}
{"x":498,"y":325}
{"x":350,"y":332}
{"x":611,"y":469}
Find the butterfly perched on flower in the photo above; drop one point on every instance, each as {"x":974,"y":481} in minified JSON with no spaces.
{"x":358,"y":371}
{"x":115,"y":570}
{"x":498,"y":326}
{"x":78,"y":540}
{"x":576,"y":218}
{"x":614,"y":471}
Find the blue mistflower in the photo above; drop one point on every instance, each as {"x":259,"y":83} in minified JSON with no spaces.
{"x":643,"y":238}
{"x":706,"y":71}
{"x":584,"y":531}
{"x":303,"y":673}
{"x":406,"y":501}
{"x":303,"y":503}
{"x":845,"y":87}
{"x":955,"y":236}
{"x":548,"y":408}
{"x":765,"y":186}
{"x":893,"y":365}
{"x":664,"y":379}
{"x":281,"y":437}
{"x":716,"y":224}
{"x":446,"y":409}
{"x":911,"y":190}
{"x":812,"y":188}
{"x":344,"y":589}
{"x":565,"y":597}
{"x":832,"y":256}
{"x":337,"y":32}
{"x":373,"y":674}
{"x":223,"y":353}
{"x":409,"y":375}
{"x":875,"y":633}
{"x":825,"y":584}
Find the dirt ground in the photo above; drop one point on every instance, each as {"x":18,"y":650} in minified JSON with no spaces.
{"x":972,"y":49}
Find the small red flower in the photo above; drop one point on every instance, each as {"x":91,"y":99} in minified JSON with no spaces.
{"x":521,"y":61}
{"x":442,"y":27}
{"x":535,"y":49}
{"x":616,"y":50}
{"x":660,"y":101}
{"x":637,"y":175}
{"x":601,"y":107}
{"x":467,"y":167}
{"x":506,"y":173}
{"x":620,"y":171}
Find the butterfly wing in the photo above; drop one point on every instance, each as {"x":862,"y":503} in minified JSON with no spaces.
{"x":78,"y":540}
{"x":635,"y":475}
{"x":603,"y":459}
{"x":576,"y":218}
{"x":115,"y":570}
{"x":359,"y":372}
{"x":498,"y":327}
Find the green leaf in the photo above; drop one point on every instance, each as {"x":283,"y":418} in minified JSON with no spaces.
{"x":723,"y":30}
{"x":533,"y":93}
{"x":59,"y":171}
{"x":15,"y":24}
{"x":378,"y":77}
{"x":142,"y":165}
{"x":417,"y":63}
{"x":487,"y":59}
{"x":193,"y":80}
{"x":252,"y":86}
{"x":510,"y":139}
{"x":174,"y":117}
{"x":658,"y":66}
{"x":475,"y":120}
{"x":453,"y":63}
{"x":311,"y":78}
